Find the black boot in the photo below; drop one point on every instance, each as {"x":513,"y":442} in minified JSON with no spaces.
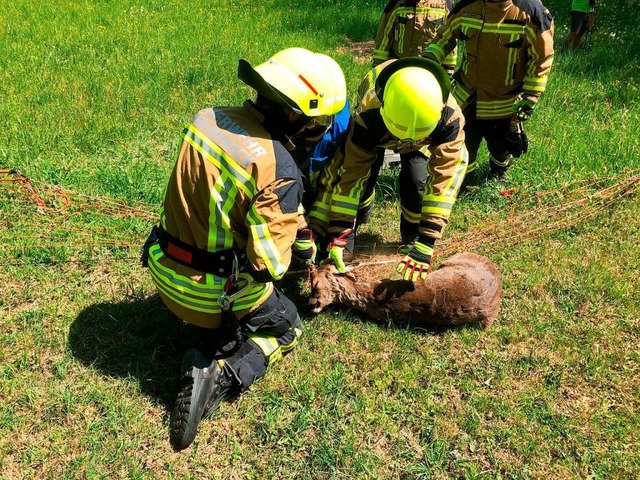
{"x":204,"y":383}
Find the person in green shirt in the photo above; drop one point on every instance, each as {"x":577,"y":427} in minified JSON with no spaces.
{"x":582,"y":17}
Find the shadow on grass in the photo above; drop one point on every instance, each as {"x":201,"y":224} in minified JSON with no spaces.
{"x":141,"y":339}
{"x":138,"y":339}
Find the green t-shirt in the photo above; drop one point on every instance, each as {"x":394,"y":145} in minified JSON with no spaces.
{"x":581,"y":6}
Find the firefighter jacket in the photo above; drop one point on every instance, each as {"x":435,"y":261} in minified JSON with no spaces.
{"x":343,"y":181}
{"x":507,"y":50}
{"x":233,"y":188}
{"x":407,"y":26}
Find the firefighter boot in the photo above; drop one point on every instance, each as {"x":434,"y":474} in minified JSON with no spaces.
{"x":204,"y":383}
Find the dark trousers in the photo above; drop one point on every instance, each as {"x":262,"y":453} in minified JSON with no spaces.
{"x":412,"y":179}
{"x":265,"y":333}
{"x":495,"y":133}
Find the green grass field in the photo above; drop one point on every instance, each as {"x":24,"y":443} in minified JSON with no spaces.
{"x":93,"y":97}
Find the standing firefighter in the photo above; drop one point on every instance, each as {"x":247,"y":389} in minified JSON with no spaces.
{"x":229,"y":224}
{"x":407,"y":26}
{"x":507,"y":52}
{"x":406,"y":107}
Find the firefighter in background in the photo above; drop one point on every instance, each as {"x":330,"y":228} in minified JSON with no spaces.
{"x":230,"y":222}
{"x":407,"y":26}
{"x":405,"y":106}
{"x":507,"y":52}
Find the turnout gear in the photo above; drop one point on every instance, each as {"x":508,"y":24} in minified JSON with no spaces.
{"x":508,"y":50}
{"x":343,"y":182}
{"x":233,"y":188}
{"x":507,"y":55}
{"x":415,"y":265}
{"x":310,"y":83}
{"x":228,"y":222}
{"x":407,"y":26}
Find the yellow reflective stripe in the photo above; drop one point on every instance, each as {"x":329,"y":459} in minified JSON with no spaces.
{"x":320,"y":213}
{"x":163,"y":217}
{"x":494,"y":109}
{"x":367,"y":201}
{"x":504,"y":163}
{"x":269,"y":346}
{"x":257,"y":295}
{"x":221,"y":160}
{"x":424,"y":249}
{"x":401,"y":31}
{"x":289,"y":346}
{"x":532,"y":53}
{"x":451,"y":60}
{"x":535,"y":84}
{"x":380,"y":54}
{"x":411,"y":217}
{"x":219,"y":236}
{"x":458,"y":174}
{"x":344,"y":201}
{"x":436,"y":50}
{"x":384,"y":44}
{"x":403,"y":11}
{"x":438,"y":205}
{"x":212,"y":283}
{"x":503,"y":28}
{"x":264,"y":243}
{"x":460,"y":94}
{"x":183,"y":290}
{"x":511,"y":61}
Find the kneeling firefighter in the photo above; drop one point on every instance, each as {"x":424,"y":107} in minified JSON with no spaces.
{"x":229,"y":224}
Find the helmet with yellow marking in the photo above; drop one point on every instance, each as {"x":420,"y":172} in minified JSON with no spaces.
{"x":310,"y":83}
{"x":413,"y":92}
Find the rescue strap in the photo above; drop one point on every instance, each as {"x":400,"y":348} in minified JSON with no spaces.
{"x":219,"y":263}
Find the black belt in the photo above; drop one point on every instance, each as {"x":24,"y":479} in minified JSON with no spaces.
{"x":218,"y":263}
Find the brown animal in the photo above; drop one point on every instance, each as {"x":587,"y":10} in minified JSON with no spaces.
{"x":465,"y":289}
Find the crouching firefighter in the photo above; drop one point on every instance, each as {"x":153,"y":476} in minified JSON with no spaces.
{"x":228,"y":228}
{"x":406,"y":107}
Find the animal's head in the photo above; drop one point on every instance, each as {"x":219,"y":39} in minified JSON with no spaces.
{"x":326,"y":285}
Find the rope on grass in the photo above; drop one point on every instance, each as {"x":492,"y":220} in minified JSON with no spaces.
{"x":43,"y":223}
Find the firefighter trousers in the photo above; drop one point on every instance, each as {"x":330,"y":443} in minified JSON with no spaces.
{"x":495,"y":133}
{"x":266,"y":333}
{"x":411,"y":182}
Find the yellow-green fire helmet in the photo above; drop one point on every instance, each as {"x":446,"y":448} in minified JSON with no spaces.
{"x":310,"y":83}
{"x":413,"y":92}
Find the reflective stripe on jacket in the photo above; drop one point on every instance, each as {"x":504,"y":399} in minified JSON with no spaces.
{"x":232,"y":187}
{"x":407,"y":26}
{"x":343,"y":181}
{"x":507,"y":51}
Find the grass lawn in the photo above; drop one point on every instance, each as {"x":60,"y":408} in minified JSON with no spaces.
{"x":93,"y":97}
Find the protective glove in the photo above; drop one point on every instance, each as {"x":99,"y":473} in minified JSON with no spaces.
{"x":523,"y":109}
{"x":415,"y":264}
{"x":304,"y":248}
{"x":517,"y":140}
{"x":336,"y":249}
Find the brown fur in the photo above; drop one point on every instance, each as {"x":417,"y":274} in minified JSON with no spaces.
{"x":465,"y":289}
